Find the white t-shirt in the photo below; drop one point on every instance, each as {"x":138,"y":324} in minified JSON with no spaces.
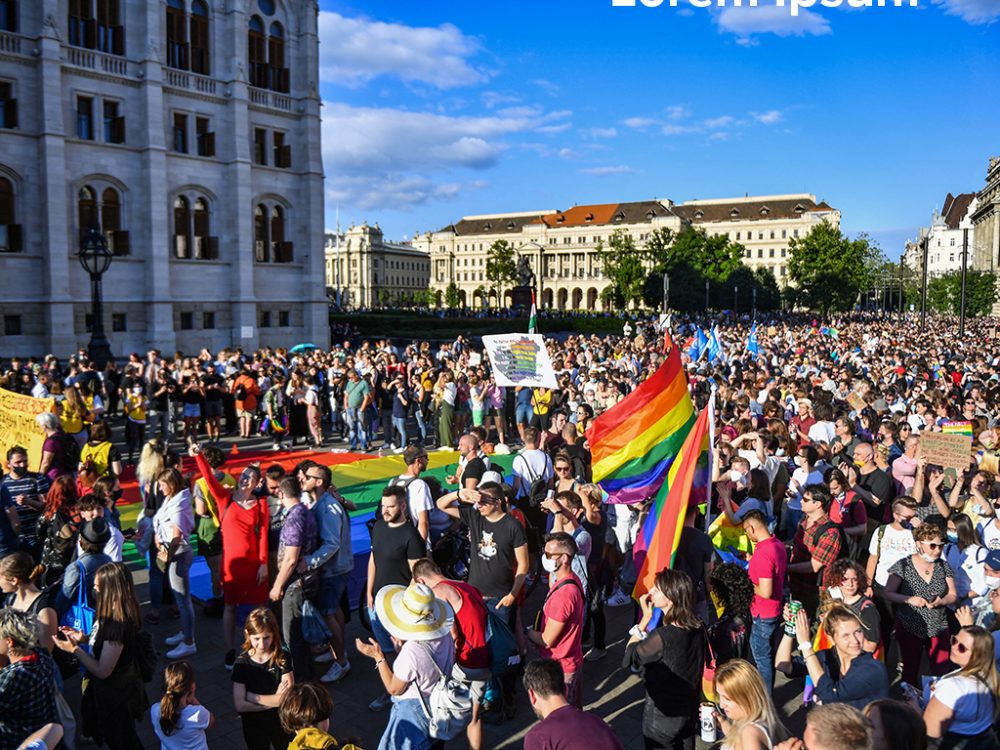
{"x":971,"y":701}
{"x":530,"y":465}
{"x":416,"y":664}
{"x":970,"y":572}
{"x":190,"y":731}
{"x":418,"y":498}
{"x":799,"y":481}
{"x":895,"y":546}
{"x":990,"y":534}
{"x":822,"y":432}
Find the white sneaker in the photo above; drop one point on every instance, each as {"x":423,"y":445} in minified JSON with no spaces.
{"x":336,"y":672}
{"x":173,"y":640}
{"x":381,"y":703}
{"x":619,"y":598}
{"x":323,"y":658}
{"x":182,"y":650}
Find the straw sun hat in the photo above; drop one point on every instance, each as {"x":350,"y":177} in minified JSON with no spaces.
{"x":413,"y":613}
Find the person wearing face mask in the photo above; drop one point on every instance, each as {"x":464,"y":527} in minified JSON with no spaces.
{"x":845,"y":673}
{"x":874,"y":486}
{"x":560,"y":629}
{"x":27,"y":490}
{"x":891,"y":543}
{"x":966,"y":616}
{"x":805,"y":474}
{"x":989,"y":529}
{"x":923,"y":587}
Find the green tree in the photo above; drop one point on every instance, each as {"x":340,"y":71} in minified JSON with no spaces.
{"x":831,"y":269}
{"x":438,"y":298}
{"x":768,"y":292}
{"x":944,"y":293}
{"x":452,"y":297}
{"x":624,"y":267}
{"x":384,"y":297}
{"x":501,"y":266}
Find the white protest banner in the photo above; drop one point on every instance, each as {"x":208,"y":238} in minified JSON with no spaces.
{"x":520,"y":359}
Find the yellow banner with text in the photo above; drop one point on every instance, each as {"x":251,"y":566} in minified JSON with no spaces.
{"x":17,"y":424}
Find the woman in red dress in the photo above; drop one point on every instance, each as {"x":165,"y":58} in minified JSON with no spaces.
{"x":244,"y":521}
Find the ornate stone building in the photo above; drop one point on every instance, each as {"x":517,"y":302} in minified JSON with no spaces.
{"x":944,"y":237}
{"x":188,"y":133}
{"x":986,"y":221}
{"x":363,"y":270}
{"x":561,"y":246}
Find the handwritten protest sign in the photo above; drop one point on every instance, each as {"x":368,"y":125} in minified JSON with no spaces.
{"x":520,"y":359}
{"x":17,"y":424}
{"x":949,"y":451}
{"x":856,"y":402}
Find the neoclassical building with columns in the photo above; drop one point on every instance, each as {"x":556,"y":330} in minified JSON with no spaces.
{"x":188,"y":133}
{"x":562,"y":246}
{"x":985,"y":253}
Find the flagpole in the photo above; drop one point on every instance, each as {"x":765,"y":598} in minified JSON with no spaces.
{"x":711,"y":457}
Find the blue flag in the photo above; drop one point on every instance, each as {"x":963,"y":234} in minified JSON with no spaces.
{"x":752,"y":347}
{"x":699,"y":345}
{"x":715,"y":346}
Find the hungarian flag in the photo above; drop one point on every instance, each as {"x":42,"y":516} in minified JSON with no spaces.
{"x":532,"y":322}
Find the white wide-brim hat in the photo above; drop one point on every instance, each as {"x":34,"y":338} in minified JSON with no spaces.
{"x":413,"y":613}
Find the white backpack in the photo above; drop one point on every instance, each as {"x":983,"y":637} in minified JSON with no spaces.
{"x":450,"y":709}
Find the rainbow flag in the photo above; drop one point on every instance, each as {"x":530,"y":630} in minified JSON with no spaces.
{"x":687,"y":483}
{"x":957,"y":428}
{"x":634,"y":443}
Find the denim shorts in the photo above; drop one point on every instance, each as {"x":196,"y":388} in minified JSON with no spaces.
{"x":523,"y":414}
{"x":382,"y":636}
{"x":331,"y":590}
{"x":192,"y":411}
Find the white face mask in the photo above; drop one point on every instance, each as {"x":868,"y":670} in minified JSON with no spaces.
{"x":978,"y":509}
{"x":549,"y":565}
{"x":927,"y":558}
{"x":992,"y":583}
{"x":835,"y":593}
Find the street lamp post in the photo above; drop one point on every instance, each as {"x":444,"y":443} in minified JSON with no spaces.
{"x":965,"y":270}
{"x":923,"y":285}
{"x":753,"y":294}
{"x":666,"y":291}
{"x":706,"y":295}
{"x":95,"y":257}
{"x":736,"y":301}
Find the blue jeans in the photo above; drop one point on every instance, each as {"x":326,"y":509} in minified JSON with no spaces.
{"x":179,"y":573}
{"x":356,"y":428}
{"x":421,"y":425}
{"x":399,"y":425}
{"x":762,"y":648}
{"x":408,"y":727}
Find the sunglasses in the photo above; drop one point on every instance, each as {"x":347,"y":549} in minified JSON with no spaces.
{"x":959,"y":646}
{"x":562,"y":468}
{"x":934,"y":545}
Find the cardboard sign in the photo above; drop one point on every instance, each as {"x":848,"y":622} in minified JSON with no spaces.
{"x":856,"y":402}
{"x":520,"y":359}
{"x":475,"y":359}
{"x":949,"y":451}
{"x":17,"y":424}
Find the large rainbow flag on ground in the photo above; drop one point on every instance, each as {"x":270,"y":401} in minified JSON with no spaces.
{"x":687,"y":483}
{"x":634,"y":444}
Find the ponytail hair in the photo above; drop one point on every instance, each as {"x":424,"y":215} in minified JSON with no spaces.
{"x":20,"y":566}
{"x":178,"y":677}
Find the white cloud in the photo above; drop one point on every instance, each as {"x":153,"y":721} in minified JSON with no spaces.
{"x":720,"y":122}
{"x":771,"y":117}
{"x":720,"y":136}
{"x":389,"y":158}
{"x":547,"y":86}
{"x":354,"y":51}
{"x":678,"y":112}
{"x":493,"y":99}
{"x":601,"y":132}
{"x":560,"y":128}
{"x":976,"y":12}
{"x":671,"y":129}
{"x":566,"y":153}
{"x":638,"y":123}
{"x":607,"y":171}
{"x":748,"y":21}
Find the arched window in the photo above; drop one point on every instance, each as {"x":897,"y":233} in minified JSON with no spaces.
{"x":205,"y":247}
{"x":10,"y":233}
{"x":111,"y":220}
{"x":87,"y":210}
{"x":257,"y":52}
{"x":281,"y":250}
{"x":261,"y":252}
{"x":199,"y":37}
{"x":177,"y":43}
{"x":8,"y":15}
{"x":276,"y":58}
{"x":182,"y":227}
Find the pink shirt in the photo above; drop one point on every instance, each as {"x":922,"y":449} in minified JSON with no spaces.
{"x":904,"y":471}
{"x":769,"y":560}
{"x":565,"y":604}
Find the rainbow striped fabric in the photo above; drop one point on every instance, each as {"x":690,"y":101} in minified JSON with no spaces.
{"x":687,"y":484}
{"x":634,"y":444}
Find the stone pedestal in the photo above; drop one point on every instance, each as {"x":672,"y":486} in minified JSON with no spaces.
{"x":520,"y":299}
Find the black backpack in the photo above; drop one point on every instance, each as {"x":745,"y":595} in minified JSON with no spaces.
{"x":241,"y":392}
{"x":71,"y":451}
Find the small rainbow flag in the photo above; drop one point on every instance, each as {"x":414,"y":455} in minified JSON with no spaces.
{"x":634,"y":443}
{"x":688,"y":483}
{"x":957,"y":428}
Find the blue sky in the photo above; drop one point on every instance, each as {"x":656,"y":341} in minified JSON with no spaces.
{"x":435,"y":110}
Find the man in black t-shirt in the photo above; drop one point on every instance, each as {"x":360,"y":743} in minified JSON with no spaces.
{"x":499,"y":559}
{"x":694,"y":557}
{"x":472,"y":465}
{"x":874,"y":486}
{"x":215,"y":388}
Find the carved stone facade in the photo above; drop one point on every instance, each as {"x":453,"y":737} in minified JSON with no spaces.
{"x":363,"y":270}
{"x":207,"y":184}
{"x":986,"y":221}
{"x":561,"y":246}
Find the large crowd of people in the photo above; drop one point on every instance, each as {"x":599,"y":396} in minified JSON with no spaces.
{"x":840,"y":556}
